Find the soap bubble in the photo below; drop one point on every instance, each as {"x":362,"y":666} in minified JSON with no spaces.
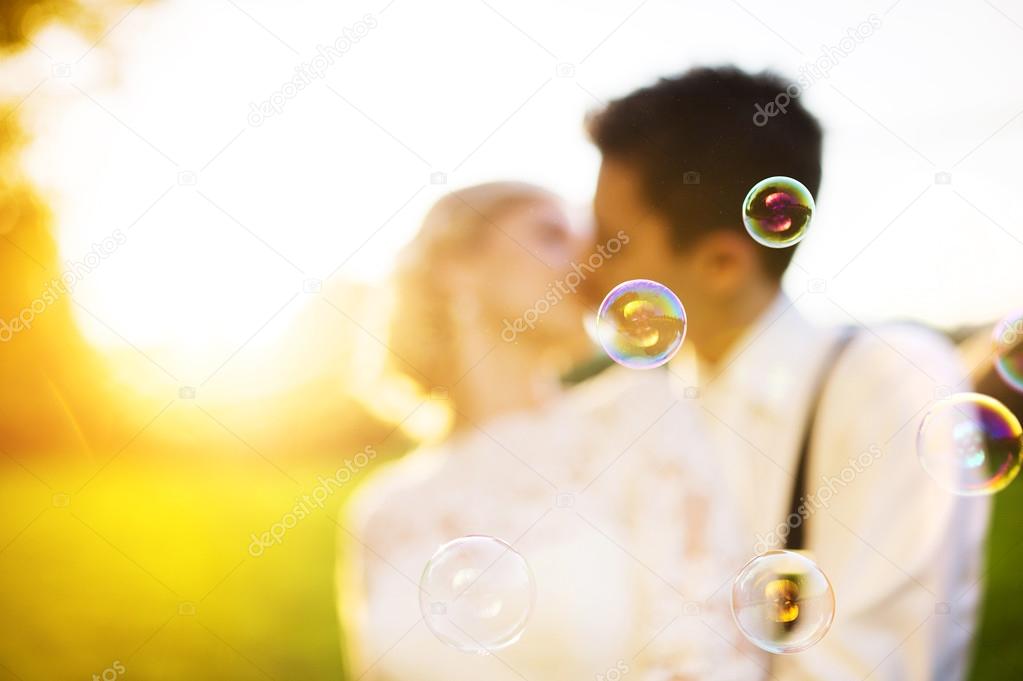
{"x":1008,"y":341}
{"x":641,"y":324}
{"x":777,"y":211}
{"x":782,"y":602}
{"x":970,"y":444}
{"x":476,"y":594}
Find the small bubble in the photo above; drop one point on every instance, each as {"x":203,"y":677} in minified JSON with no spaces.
{"x":777,"y":212}
{"x":641,"y":324}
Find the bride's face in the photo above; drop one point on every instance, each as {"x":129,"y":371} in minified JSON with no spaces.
{"x":521,"y":271}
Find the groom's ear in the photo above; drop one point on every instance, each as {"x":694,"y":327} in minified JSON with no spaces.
{"x":726,"y":262}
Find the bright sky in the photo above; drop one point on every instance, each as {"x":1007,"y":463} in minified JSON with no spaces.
{"x":333,"y":184}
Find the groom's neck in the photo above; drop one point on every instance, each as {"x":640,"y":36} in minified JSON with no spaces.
{"x":716,"y":341}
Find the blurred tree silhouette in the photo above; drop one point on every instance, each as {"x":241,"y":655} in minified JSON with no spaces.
{"x":56,"y":394}
{"x":60,"y":395}
{"x":21,"y":19}
{"x":45,"y":374}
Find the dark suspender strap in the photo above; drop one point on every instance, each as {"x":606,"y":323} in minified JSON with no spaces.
{"x":796,"y":539}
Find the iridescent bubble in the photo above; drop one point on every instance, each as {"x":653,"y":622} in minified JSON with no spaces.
{"x":641,"y":324}
{"x":476,"y":594}
{"x":782,"y":602}
{"x":970,"y":444}
{"x":777,"y":211}
{"x":1008,"y":340}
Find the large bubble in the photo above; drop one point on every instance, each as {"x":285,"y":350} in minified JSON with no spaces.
{"x":641,"y":324}
{"x":970,"y":444}
{"x":476,"y":594}
{"x":782,"y":602}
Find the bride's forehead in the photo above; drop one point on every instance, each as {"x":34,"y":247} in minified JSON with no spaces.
{"x":546,"y":217}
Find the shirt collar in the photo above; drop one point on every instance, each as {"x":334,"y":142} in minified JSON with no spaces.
{"x":763,"y":367}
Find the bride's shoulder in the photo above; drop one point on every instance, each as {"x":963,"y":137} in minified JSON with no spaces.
{"x":614,"y":387}
{"x":394,"y":489}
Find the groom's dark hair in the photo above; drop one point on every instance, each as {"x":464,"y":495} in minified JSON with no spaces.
{"x":701,"y":140}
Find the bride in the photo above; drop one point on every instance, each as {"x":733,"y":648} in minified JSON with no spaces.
{"x":612,"y":509}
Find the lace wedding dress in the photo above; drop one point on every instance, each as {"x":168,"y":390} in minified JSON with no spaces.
{"x":609,"y":494}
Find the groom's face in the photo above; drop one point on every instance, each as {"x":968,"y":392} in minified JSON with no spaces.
{"x":623,"y":215}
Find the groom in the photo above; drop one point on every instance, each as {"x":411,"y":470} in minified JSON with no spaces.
{"x":816,"y":439}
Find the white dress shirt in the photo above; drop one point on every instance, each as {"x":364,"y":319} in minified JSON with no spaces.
{"x":904,"y":556}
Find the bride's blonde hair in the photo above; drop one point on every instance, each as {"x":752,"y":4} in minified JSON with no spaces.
{"x":422,"y":326}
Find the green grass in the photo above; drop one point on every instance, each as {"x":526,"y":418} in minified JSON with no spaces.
{"x":998,"y":654}
{"x":115,"y":574}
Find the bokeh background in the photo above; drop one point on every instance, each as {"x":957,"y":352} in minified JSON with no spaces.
{"x":222,"y":349}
